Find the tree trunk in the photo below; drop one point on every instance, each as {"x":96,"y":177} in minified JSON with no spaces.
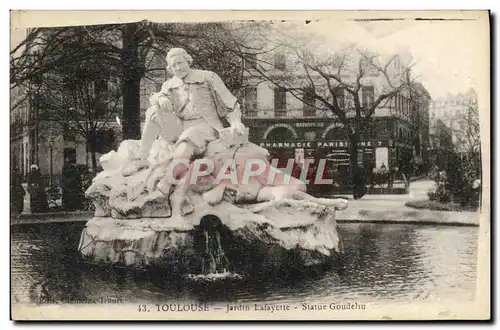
{"x":94,"y":160}
{"x":358,"y":175}
{"x":132,"y":74}
{"x":91,"y":149}
{"x":353,"y":149}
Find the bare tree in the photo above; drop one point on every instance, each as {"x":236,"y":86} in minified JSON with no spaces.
{"x":123,"y":50}
{"x":467,"y":131}
{"x":340,"y":83}
{"x":468,"y":144}
{"x":80,"y":102}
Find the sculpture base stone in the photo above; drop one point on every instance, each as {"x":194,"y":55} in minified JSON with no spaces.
{"x":281,"y":234}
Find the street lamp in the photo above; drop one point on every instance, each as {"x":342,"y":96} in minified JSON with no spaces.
{"x":120,"y":127}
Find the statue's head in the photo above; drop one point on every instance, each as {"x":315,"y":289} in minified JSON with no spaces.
{"x":179,"y":62}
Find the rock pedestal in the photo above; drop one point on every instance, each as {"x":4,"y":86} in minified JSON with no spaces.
{"x":143,"y":232}
{"x":273,"y":234}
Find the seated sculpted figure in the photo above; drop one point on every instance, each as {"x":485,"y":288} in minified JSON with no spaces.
{"x":191,"y":111}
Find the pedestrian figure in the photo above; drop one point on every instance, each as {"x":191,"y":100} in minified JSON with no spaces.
{"x":36,"y":188}
{"x":392,"y":176}
{"x":16,"y":193}
{"x":358,"y":182}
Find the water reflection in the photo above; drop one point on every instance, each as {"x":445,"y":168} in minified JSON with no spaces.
{"x":382,"y":262}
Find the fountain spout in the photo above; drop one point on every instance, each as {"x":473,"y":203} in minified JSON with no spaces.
{"x":213,"y":257}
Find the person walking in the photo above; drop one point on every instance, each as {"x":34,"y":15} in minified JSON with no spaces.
{"x":358,"y":182}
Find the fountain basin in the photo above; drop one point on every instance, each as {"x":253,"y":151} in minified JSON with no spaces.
{"x":281,"y":234}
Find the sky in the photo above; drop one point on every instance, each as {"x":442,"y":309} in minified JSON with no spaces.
{"x":450,"y":56}
{"x":447,"y":53}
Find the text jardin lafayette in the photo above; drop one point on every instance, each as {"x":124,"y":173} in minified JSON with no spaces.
{"x":287,"y":307}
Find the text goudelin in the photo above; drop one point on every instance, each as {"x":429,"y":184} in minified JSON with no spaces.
{"x":332,"y":306}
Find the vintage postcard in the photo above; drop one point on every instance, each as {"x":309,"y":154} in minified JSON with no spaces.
{"x":241,"y":165}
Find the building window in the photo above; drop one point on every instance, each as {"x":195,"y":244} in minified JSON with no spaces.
{"x":69,"y":155}
{"x":27,"y":151}
{"x":280,"y":102}
{"x":251,"y":101}
{"x":23,"y":168}
{"x":368,"y":96}
{"x":309,"y":102}
{"x":392,"y":103}
{"x":281,"y":134}
{"x":368,"y":69}
{"x":250,"y":61}
{"x":101,"y":95}
{"x":403,"y":104}
{"x":103,"y":141}
{"x":158,"y":61}
{"x":68,"y":134}
{"x":26,"y":118}
{"x":279,"y":61}
{"x":339,"y":94}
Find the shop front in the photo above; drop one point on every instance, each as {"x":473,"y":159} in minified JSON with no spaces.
{"x":323,"y":141}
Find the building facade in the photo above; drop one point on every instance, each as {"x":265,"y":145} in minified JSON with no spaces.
{"x":22,"y":133}
{"x":441,"y":142}
{"x":49,"y":144}
{"x":420,"y":123}
{"x":288,"y":127}
{"x":449,"y":108}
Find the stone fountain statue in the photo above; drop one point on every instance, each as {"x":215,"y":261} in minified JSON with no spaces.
{"x":194,"y":184}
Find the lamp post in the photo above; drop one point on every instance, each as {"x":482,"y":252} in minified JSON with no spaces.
{"x":120,"y":127}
